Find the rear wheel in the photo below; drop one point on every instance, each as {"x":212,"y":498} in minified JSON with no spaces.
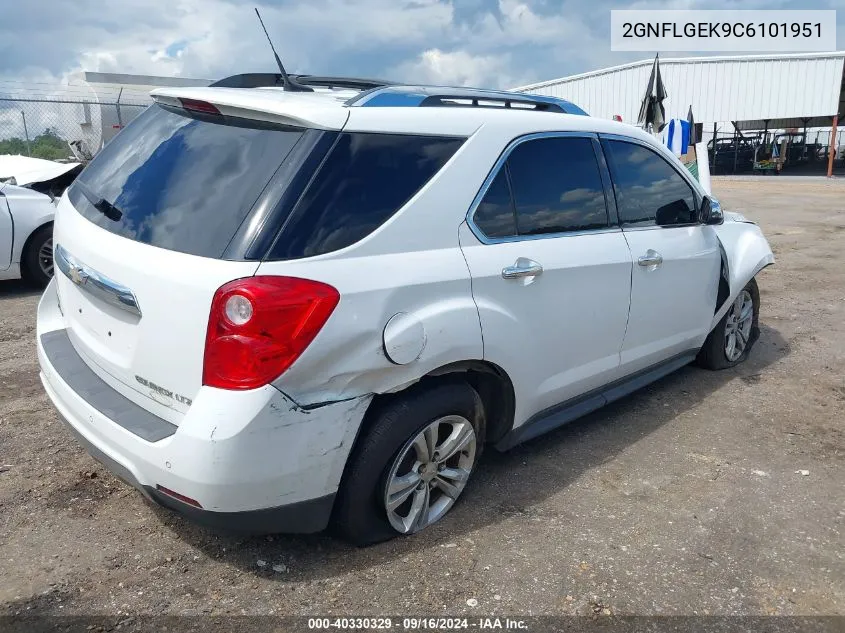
{"x":412,"y":465}
{"x":732,"y":339}
{"x":37,"y":260}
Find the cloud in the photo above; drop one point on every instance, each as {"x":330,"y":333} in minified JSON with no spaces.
{"x":495,"y":43}
{"x":459,"y":68}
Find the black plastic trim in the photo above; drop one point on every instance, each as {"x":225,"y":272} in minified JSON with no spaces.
{"x":607,"y":181}
{"x":262,"y":80}
{"x":302,"y":517}
{"x":359,"y":83}
{"x":96,"y":392}
{"x":258,"y":231}
{"x":570,"y":410}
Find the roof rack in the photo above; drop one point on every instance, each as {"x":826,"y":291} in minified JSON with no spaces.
{"x":449,"y":100}
{"x":437,"y":96}
{"x":264,"y":80}
{"x":380,"y":93}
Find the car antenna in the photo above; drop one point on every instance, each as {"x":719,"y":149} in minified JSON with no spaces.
{"x":290,"y":85}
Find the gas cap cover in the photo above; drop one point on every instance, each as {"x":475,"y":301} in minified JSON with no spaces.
{"x":404,"y":338}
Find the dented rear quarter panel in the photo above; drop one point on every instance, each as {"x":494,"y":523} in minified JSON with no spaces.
{"x":347,"y":358}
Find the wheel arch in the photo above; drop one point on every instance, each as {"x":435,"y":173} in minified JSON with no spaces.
{"x":28,"y":241}
{"x":490,"y":381}
{"x":745,"y":252}
{"x":495,"y":388}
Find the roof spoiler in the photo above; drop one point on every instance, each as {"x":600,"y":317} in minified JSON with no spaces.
{"x":264,"y":80}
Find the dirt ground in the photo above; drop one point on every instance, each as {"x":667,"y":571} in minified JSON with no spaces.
{"x":706,"y":493}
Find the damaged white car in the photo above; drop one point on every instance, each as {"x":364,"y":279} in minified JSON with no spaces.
{"x":281,"y":310}
{"x":29,"y":189}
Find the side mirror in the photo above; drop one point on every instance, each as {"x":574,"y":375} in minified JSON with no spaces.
{"x":711,"y":211}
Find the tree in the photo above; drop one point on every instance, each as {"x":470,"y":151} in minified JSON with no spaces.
{"x":48,"y":145}
{"x":13,"y":146}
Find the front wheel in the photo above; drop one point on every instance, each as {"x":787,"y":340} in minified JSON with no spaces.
{"x":412,"y":464}
{"x":37,"y":260}
{"x":733,"y":337}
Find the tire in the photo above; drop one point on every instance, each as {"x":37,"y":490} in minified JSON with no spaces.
{"x":388,"y":448}
{"x":715,"y":353}
{"x":33,"y":269}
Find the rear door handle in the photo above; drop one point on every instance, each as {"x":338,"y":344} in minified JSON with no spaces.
{"x":651,"y":258}
{"x":522,"y":268}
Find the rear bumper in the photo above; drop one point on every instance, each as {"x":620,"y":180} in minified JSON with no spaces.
{"x":254,"y":461}
{"x":301,"y":517}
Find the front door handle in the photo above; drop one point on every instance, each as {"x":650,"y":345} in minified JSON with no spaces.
{"x":522,"y":268}
{"x":651,"y":259}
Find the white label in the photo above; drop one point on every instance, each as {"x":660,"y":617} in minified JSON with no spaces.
{"x":723,"y":31}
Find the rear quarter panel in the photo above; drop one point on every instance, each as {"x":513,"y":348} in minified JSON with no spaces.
{"x":347,"y":358}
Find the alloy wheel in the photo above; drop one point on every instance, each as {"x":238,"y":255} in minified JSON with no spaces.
{"x":738,"y":326}
{"x":45,"y":257}
{"x":429,"y":474}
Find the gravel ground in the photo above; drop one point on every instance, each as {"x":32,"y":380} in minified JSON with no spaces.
{"x":706,"y":493}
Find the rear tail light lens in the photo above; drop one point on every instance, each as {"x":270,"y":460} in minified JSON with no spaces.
{"x":259,"y":326}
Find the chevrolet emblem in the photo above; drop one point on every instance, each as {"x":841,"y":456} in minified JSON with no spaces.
{"x":77,"y":276}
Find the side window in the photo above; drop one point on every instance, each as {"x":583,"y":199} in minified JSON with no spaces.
{"x":557,"y":186}
{"x":365,"y":180}
{"x":495,"y":215}
{"x":648,"y":189}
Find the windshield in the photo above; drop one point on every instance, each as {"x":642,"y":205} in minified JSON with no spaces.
{"x":181,"y":181}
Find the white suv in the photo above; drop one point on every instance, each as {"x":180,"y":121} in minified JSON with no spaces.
{"x":278,"y":310}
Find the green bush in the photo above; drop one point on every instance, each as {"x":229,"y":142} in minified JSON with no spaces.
{"x":48,"y":145}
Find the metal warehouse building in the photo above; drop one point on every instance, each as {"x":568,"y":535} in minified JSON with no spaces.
{"x":759,"y":92}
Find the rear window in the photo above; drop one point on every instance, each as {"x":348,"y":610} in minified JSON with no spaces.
{"x":364,"y":181}
{"x":181,"y":181}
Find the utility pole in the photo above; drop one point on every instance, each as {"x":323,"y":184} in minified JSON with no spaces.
{"x":26,"y":134}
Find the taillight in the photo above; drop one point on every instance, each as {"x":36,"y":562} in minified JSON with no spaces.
{"x":259,"y":326}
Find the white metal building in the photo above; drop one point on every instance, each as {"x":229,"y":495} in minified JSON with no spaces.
{"x":114,"y":87}
{"x":113,"y":100}
{"x":759,"y":91}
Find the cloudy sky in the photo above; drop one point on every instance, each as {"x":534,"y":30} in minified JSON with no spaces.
{"x":495,"y":43}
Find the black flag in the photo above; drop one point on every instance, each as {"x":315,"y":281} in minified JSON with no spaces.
{"x":652,"y":111}
{"x":692,"y":139}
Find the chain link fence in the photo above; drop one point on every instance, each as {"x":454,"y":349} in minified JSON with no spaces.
{"x":61,"y":129}
{"x":76,"y":129}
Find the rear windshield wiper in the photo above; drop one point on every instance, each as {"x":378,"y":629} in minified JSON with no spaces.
{"x":100,"y":204}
